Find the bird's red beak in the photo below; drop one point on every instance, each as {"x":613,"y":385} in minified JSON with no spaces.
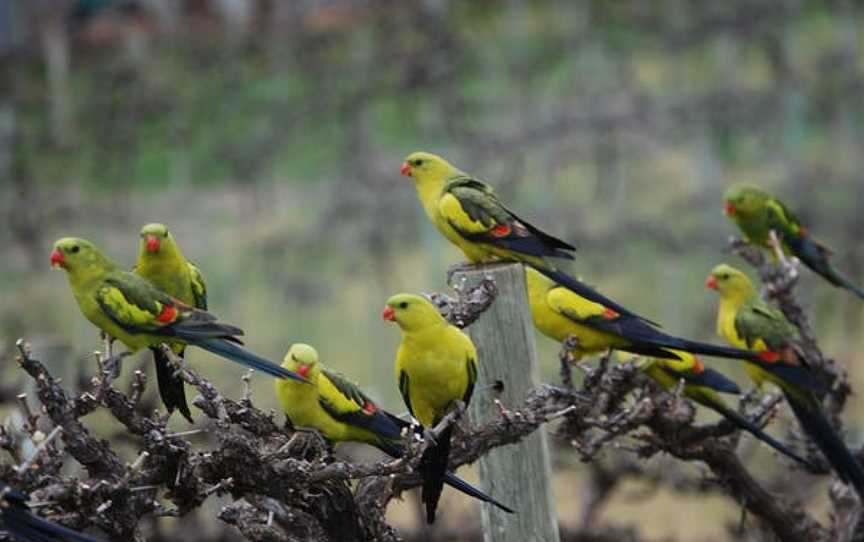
{"x":711,"y":282}
{"x":303,"y":370}
{"x":389,"y":314}
{"x":405,"y":169}
{"x":729,"y":208}
{"x":58,"y":259}
{"x":152,"y":243}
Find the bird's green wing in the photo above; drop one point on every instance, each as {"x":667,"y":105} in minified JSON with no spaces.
{"x":347,"y":403}
{"x":757,"y":320}
{"x":133,"y":304}
{"x":471,"y":208}
{"x":199,"y":287}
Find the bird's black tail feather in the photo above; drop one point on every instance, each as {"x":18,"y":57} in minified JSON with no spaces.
{"x":815,"y":256}
{"x":818,"y":428}
{"x":433,"y":469}
{"x":461,"y":485}
{"x":756,"y":431}
{"x":587,"y":292}
{"x":238,"y":354}
{"x":24,"y":526}
{"x":171,"y":387}
{"x":395,"y":450}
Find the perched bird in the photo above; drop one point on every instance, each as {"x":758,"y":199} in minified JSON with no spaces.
{"x":744,"y":319}
{"x":559,"y":312}
{"x":469,"y":214}
{"x":161,"y":262}
{"x":703,"y":385}
{"x":757,"y":213}
{"x":129,"y":308}
{"x":436,"y":366}
{"x":25,"y":526}
{"x":341,"y":412}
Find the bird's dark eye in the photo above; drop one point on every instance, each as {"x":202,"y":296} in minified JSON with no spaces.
{"x":724,"y":276}
{"x":403,"y":305}
{"x":418,"y":162}
{"x":74,"y":249}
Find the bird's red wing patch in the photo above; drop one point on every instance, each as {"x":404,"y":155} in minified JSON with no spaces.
{"x":370,"y":408}
{"x":168,"y":314}
{"x":501,"y":230}
{"x":769,"y":356}
{"x":609,"y":314}
{"x":698,"y":366}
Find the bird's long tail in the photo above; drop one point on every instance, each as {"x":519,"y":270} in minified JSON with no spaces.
{"x":817,"y":427}
{"x":815,"y":257}
{"x":433,"y":470}
{"x":756,"y":431}
{"x":395,"y":450}
{"x":238,"y":354}
{"x":647,"y":339}
{"x":461,"y":485}
{"x":587,"y":292}
{"x":28,"y":527}
{"x":171,"y":387}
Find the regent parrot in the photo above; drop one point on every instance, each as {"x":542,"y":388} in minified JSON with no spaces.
{"x":341,"y":412}
{"x":559,"y":312}
{"x":161,"y":262}
{"x":703,"y":385}
{"x":469,"y":214}
{"x":25,"y":526}
{"x":128,"y":308}
{"x":757,"y":212}
{"x":436,"y":366}
{"x":745,"y":320}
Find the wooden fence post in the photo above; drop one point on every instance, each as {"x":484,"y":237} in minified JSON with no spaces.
{"x":518,"y":475}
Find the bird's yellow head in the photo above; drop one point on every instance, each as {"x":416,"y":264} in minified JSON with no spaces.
{"x":303,"y":360}
{"x":427,"y":167}
{"x":744,"y":199}
{"x":411,"y":312}
{"x":729,"y":282}
{"x":155,"y":238}
{"x":78,"y":256}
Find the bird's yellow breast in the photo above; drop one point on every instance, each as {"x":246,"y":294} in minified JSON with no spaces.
{"x":91,"y":310}
{"x":300,"y":401}
{"x":436,"y":363}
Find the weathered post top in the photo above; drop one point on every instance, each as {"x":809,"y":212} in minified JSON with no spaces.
{"x":518,"y":475}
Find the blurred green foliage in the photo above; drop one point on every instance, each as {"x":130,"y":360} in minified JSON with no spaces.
{"x":273,"y":155}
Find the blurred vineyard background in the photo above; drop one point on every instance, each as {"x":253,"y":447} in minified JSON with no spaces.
{"x":268,"y":136}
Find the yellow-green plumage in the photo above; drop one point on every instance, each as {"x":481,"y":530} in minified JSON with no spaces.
{"x":161,"y":262}
{"x":559,"y":313}
{"x":757,"y":213}
{"x":436,"y":361}
{"x":469,"y":214}
{"x":551,"y":302}
{"x":340,"y":411}
{"x":303,"y":402}
{"x":436,"y":365}
{"x":743,"y":318}
{"x":132,"y":310}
